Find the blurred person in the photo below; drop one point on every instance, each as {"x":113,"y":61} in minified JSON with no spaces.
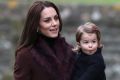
{"x":42,"y":54}
{"x":89,"y":63}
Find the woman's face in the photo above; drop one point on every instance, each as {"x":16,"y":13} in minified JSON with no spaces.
{"x":89,"y":43}
{"x":49,"y":22}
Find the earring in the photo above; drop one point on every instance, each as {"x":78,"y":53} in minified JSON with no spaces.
{"x":37,"y":29}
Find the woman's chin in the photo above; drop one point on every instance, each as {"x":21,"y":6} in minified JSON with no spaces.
{"x":53,"y":36}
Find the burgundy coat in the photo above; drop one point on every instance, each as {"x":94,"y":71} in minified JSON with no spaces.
{"x":41,"y":63}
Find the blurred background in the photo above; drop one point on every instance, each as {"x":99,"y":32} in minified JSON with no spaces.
{"x":104,"y":13}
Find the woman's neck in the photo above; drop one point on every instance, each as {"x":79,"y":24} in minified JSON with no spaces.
{"x":50,"y":41}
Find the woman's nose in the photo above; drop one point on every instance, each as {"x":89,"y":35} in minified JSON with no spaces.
{"x":54,"y":22}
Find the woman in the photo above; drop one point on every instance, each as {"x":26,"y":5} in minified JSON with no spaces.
{"x":42,"y":54}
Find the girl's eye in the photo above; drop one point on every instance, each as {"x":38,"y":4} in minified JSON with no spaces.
{"x":85,"y":42}
{"x":94,"y":41}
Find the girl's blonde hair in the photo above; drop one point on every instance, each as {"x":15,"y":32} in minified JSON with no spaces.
{"x":87,"y":28}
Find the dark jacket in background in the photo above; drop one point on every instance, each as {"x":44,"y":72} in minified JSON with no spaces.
{"x":41,"y":62}
{"x":89,"y":67}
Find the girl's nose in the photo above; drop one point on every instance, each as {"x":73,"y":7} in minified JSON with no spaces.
{"x":90,"y":45}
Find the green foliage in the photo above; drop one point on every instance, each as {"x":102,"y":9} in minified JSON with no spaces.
{"x":7,"y":77}
{"x":3,"y":0}
{"x":87,"y":1}
{"x":76,"y":1}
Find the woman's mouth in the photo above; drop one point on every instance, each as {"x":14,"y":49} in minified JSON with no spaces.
{"x":54,"y":30}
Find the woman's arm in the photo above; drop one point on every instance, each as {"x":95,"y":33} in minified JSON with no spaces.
{"x":22,"y":66}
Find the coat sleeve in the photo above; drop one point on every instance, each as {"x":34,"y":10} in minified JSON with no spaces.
{"x":22,"y":66}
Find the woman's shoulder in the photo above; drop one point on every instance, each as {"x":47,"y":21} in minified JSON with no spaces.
{"x":23,"y":58}
{"x":24,"y":52}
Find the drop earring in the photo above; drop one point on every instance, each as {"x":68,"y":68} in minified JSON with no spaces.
{"x":37,"y":29}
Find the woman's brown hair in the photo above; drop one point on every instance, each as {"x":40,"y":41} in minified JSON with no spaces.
{"x":29,"y":34}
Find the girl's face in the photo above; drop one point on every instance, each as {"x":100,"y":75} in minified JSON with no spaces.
{"x":89,"y":43}
{"x":49,"y":22}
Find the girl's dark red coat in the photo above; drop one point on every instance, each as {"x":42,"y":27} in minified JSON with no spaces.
{"x":42,"y":63}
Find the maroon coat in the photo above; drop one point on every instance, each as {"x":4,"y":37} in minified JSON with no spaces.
{"x":41,"y":63}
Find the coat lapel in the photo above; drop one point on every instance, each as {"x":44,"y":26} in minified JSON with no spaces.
{"x":55,"y":64}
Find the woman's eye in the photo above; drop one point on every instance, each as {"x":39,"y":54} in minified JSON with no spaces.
{"x":47,"y":20}
{"x":56,"y":18}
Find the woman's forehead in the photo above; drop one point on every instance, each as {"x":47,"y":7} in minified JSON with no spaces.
{"x":48,"y":11}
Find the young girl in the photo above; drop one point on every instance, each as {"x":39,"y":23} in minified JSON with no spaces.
{"x":89,"y":60}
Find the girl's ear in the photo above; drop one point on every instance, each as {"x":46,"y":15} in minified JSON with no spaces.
{"x":100,"y":45}
{"x":78,"y":43}
{"x":77,"y":47}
